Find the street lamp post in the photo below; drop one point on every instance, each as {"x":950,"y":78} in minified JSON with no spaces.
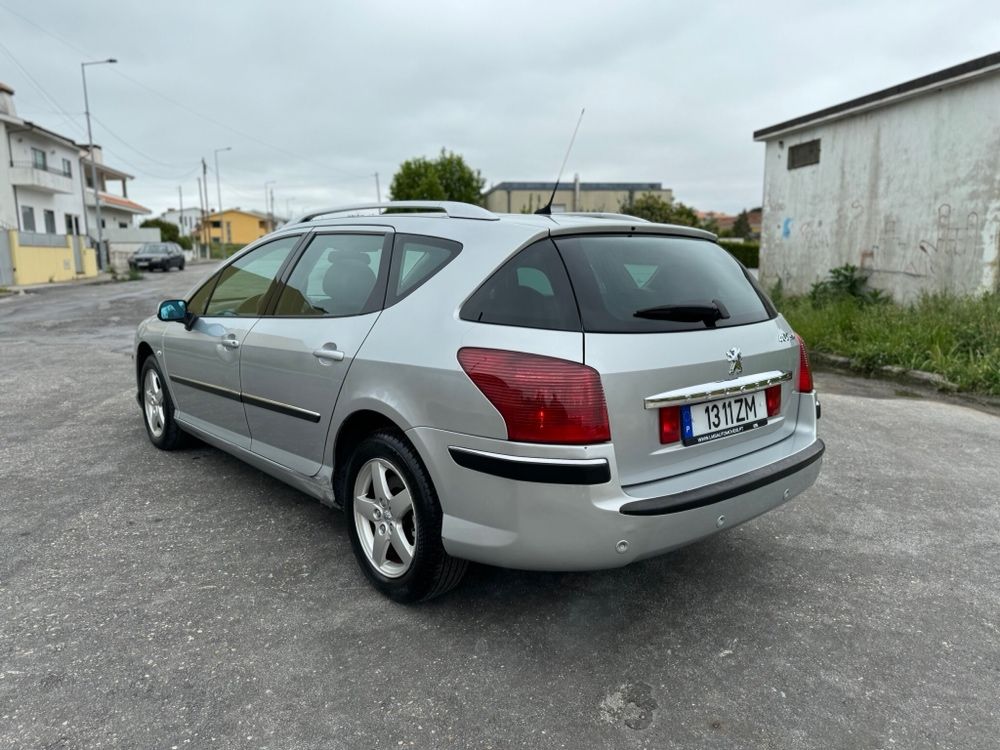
{"x":218,"y":182}
{"x":102,"y":258}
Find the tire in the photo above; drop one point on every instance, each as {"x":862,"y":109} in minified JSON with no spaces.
{"x":385,"y":529}
{"x":158,"y":408}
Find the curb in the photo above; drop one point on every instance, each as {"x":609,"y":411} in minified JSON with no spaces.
{"x":920,"y":377}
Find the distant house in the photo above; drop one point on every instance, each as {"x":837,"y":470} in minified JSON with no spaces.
{"x":235,"y":226}
{"x":527,"y":197}
{"x":186,"y":221}
{"x":903,"y":182}
{"x":117,"y":210}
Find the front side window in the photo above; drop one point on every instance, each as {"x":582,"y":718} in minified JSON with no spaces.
{"x":530,"y":290}
{"x":243,"y":284}
{"x":337,"y":275}
{"x":650,"y":284}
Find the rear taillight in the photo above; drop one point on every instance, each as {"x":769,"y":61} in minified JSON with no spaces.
{"x":805,"y":372}
{"x":542,"y":399}
{"x":773,"y":398}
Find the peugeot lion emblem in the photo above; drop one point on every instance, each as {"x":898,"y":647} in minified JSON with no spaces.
{"x":735,"y":357}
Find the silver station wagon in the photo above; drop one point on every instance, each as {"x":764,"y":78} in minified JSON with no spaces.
{"x":564,"y":392}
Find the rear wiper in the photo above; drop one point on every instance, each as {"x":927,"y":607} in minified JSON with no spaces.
{"x":689,"y":313}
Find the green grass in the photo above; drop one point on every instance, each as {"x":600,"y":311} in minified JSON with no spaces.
{"x":220,"y":252}
{"x":956,"y":337}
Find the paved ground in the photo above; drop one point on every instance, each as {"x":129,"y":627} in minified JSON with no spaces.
{"x":154,"y":600}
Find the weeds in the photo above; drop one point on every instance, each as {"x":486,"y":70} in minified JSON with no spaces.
{"x":956,"y":337}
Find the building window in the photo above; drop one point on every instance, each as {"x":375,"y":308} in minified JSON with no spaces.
{"x":50,"y":221}
{"x":216,"y":225}
{"x":67,"y":167}
{"x":803,"y":154}
{"x":27,"y":219}
{"x":123,"y":225}
{"x":38,"y":159}
{"x":69,"y":223}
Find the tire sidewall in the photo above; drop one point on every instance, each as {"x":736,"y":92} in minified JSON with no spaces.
{"x":416,"y":582}
{"x":166,"y":437}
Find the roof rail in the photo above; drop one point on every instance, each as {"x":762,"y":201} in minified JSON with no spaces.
{"x":451,"y":209}
{"x":601,"y":215}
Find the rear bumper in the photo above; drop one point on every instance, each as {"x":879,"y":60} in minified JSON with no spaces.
{"x":544,"y":507}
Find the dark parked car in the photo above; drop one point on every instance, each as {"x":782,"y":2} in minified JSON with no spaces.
{"x":162,"y":255}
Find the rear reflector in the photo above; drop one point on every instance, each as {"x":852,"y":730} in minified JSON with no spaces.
{"x":773,"y":398}
{"x":670,"y":424}
{"x":541,"y":399}
{"x":805,"y":372}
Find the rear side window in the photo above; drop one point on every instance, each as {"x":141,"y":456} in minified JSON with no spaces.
{"x":530,"y":290}
{"x":617,"y":276}
{"x":415,"y":260}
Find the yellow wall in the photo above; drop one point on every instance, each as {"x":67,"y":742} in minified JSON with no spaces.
{"x":40,"y":265}
{"x":243,"y":228}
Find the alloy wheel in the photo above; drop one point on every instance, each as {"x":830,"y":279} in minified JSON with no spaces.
{"x":153,"y":403}
{"x":384,"y":517}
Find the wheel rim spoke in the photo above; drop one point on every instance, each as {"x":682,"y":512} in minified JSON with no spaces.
{"x":380,"y":483}
{"x":367,"y":508}
{"x":400,"y":504}
{"x":380,"y":547}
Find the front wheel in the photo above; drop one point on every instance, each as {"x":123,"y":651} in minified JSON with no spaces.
{"x":394,"y":521}
{"x":158,"y":408}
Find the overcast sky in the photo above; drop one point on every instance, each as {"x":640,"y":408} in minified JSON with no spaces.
{"x":320,"y":96}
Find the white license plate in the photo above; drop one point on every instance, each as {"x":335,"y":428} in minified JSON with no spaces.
{"x":726,"y":416}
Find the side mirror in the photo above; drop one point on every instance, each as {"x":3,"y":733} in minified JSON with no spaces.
{"x":172,"y":309}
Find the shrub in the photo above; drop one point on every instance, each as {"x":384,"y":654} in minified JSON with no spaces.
{"x":747,"y":253}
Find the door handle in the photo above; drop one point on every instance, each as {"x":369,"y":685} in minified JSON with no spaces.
{"x":329,"y":352}
{"x":230,"y":343}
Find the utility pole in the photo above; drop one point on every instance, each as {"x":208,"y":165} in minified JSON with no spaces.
{"x":218,"y":181}
{"x":267,"y":208}
{"x":378,"y":190}
{"x":273,"y":221}
{"x":101,"y":258}
{"x":180,"y":197}
{"x":201,"y":225}
{"x":204,"y":223}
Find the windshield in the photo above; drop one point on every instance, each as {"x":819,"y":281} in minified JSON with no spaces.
{"x":647,"y":283}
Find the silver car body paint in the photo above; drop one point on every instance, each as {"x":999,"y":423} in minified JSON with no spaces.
{"x":401,"y":364}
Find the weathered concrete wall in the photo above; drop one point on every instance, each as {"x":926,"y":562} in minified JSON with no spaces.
{"x":910,"y":192}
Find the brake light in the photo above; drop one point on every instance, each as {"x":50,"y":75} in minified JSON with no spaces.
{"x":773,"y":398}
{"x":805,"y":372}
{"x":541,"y":399}
{"x":670,"y":424}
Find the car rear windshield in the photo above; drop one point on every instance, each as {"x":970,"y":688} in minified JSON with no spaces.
{"x":648,"y":284}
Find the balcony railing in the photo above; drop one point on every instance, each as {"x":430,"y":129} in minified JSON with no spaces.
{"x":46,"y":168}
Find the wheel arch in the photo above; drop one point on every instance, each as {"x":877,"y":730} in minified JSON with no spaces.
{"x":352,"y":430}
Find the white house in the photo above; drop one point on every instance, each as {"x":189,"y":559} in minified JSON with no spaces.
{"x":186,"y":221}
{"x":40,"y":185}
{"x":117,"y":210}
{"x":903,"y":182}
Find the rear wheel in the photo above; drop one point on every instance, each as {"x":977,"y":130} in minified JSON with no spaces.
{"x":158,"y":408}
{"x":394,"y":521}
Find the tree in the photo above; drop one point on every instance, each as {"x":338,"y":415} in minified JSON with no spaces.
{"x":652,"y":207}
{"x":168,"y":232}
{"x":446,"y":178}
{"x":741,"y":227}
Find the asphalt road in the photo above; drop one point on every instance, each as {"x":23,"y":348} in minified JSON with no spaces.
{"x":184,"y":600}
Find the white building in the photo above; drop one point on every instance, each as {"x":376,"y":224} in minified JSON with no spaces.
{"x":904,"y":183}
{"x":186,"y":221}
{"x":40,"y":183}
{"x":117,"y":210}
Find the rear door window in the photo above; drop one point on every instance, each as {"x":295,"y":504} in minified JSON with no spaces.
{"x":338,"y":275}
{"x":617,"y":276}
{"x":530,"y":290}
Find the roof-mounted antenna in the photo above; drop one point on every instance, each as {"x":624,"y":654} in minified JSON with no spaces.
{"x":547,"y":208}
